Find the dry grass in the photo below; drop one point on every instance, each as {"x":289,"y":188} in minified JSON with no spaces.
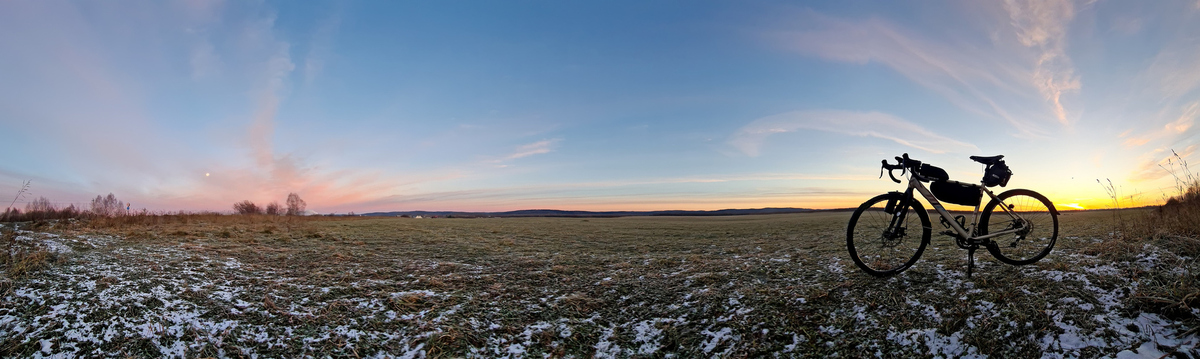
{"x":1173,"y":227}
{"x":746,"y":286}
{"x":19,"y":261}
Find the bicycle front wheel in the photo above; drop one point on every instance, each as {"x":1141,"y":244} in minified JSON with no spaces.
{"x":882,"y":243}
{"x":1033,"y":221}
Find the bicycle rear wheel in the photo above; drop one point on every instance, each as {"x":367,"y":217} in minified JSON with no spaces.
{"x":1034,"y":218}
{"x":883,"y":244}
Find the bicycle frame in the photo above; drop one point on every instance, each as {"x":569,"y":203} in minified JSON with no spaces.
{"x":914,"y":183}
{"x":1021,"y":229}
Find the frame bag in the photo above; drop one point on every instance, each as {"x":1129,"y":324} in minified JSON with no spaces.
{"x":996,"y":174}
{"x":956,"y":193}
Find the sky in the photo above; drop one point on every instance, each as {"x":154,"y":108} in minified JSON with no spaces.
{"x":589,"y":105}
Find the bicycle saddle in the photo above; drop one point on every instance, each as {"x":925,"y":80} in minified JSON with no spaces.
{"x":987,"y":160}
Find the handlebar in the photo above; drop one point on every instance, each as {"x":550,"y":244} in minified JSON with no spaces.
{"x":903,"y":163}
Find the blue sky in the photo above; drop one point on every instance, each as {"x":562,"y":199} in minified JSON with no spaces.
{"x":381,"y":105}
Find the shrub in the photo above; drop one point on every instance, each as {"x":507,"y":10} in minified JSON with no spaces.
{"x":274,"y":209}
{"x":246,"y":207}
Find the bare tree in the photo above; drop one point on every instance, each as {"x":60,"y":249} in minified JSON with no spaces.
{"x":41,"y":204}
{"x":274,"y":209}
{"x":295,"y":205}
{"x":98,"y":207}
{"x":107,"y":206}
{"x":246,"y":207}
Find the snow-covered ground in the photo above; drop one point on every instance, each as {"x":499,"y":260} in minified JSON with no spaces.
{"x":115,"y":300}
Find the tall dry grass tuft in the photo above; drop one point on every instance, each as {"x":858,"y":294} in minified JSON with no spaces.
{"x":19,"y":260}
{"x":1180,"y":215}
{"x":1175,"y":227}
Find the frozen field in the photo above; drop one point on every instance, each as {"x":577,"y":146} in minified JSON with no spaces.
{"x":750,"y":286}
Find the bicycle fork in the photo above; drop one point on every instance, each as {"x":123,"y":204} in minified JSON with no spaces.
{"x":899,"y":211}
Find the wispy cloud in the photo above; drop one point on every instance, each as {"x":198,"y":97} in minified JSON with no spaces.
{"x":1151,"y":165}
{"x":1042,"y":25}
{"x":204,"y":60}
{"x":1175,"y":72}
{"x":750,"y":138}
{"x":321,"y":46}
{"x":1179,"y":124}
{"x":536,"y":148}
{"x":112,"y":140}
{"x":989,"y":81}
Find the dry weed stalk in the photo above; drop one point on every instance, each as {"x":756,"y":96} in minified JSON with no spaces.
{"x":1118,"y":219}
{"x":20,"y":193}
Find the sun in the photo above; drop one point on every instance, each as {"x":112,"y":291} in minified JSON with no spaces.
{"x":205,"y":174}
{"x":1072,"y":206}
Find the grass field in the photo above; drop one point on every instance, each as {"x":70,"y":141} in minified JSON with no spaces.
{"x":740,"y":286}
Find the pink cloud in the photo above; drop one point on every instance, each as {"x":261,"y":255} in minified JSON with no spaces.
{"x":89,"y":105}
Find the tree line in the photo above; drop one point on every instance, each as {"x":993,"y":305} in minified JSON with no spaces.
{"x":42,"y":208}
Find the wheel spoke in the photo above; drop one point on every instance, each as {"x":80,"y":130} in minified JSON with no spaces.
{"x":879,"y":248}
{"x":1036,"y":228}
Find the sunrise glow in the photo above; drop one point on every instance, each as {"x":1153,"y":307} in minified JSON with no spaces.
{"x":1075,"y":206}
{"x":495,"y":106}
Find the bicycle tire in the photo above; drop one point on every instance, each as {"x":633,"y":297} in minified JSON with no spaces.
{"x":1037,"y":212}
{"x":872,"y":250}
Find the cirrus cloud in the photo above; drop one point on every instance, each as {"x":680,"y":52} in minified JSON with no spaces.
{"x":750,"y":138}
{"x":536,"y":148}
{"x":1026,"y":57}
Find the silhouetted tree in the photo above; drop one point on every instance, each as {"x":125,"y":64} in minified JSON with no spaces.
{"x":274,"y":209}
{"x":295,"y":205}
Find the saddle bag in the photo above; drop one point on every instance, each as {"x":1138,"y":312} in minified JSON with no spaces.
{"x":996,"y":174}
{"x":957,"y":193}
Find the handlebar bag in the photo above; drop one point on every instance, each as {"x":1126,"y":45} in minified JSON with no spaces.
{"x":933,"y":172}
{"x":956,"y":193}
{"x":997,"y":174}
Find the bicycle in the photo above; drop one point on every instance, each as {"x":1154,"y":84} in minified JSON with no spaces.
{"x":1022,"y":232}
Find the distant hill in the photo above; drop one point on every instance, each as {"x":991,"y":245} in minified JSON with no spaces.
{"x":558,"y":213}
